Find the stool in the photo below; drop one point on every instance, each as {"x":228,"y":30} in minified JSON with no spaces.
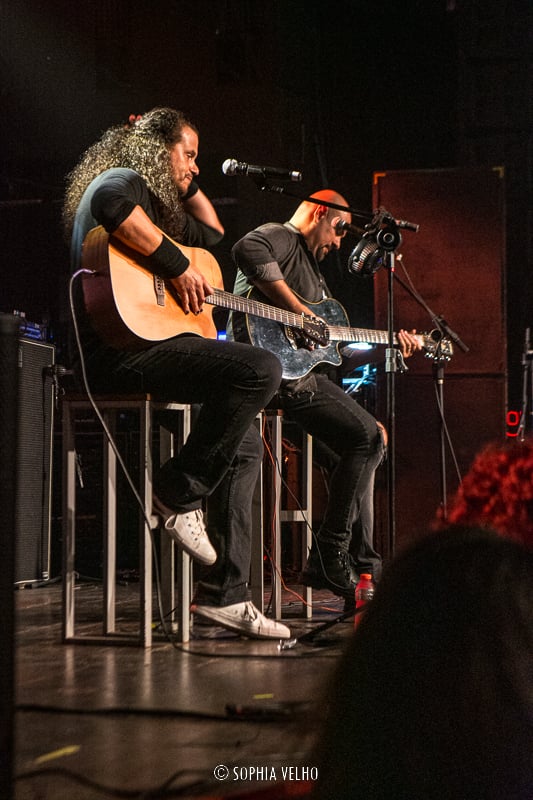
{"x":273,"y":418}
{"x":110,"y":406}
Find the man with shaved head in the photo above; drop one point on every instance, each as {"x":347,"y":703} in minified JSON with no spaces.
{"x":281,"y":262}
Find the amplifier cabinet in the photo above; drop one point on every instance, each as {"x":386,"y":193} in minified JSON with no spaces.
{"x":34,"y":461}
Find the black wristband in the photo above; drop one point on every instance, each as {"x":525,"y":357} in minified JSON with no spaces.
{"x":191,"y":191}
{"x":168,"y":261}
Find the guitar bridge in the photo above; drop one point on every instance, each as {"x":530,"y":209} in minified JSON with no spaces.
{"x":313,"y":334}
{"x":294,"y":342}
{"x":298,"y":338}
{"x":159,"y":289}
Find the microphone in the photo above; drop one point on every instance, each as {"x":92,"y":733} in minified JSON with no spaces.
{"x":382,"y":217}
{"x":343,"y":226}
{"x":233,"y":167}
{"x":408,"y":226}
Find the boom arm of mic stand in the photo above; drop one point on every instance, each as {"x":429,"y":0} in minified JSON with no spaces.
{"x":263,"y":186}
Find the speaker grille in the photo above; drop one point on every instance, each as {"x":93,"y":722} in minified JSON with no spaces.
{"x":34,"y":463}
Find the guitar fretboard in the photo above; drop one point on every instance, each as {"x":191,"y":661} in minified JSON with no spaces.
{"x":336,"y":333}
{"x":339,"y":333}
{"x":236,"y":302}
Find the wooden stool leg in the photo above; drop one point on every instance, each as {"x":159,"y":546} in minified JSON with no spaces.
{"x":276,"y":522}
{"x":185,"y":565}
{"x":257,"y":572}
{"x":176,"y":566}
{"x":185,"y":583}
{"x":278,"y":515}
{"x":69,"y":522}
{"x":167,"y":549}
{"x":145,"y":537}
{"x":307,"y":535}
{"x":109,"y":527}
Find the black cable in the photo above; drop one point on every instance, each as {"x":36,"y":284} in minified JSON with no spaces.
{"x":122,"y":711}
{"x":163,"y":790}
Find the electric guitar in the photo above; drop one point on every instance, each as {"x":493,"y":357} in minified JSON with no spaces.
{"x":131,"y":308}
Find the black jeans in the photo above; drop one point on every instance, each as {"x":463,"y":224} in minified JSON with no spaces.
{"x":348,"y":443}
{"x":220,"y":461}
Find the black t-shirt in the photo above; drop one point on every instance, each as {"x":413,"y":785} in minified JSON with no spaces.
{"x":278,"y":251}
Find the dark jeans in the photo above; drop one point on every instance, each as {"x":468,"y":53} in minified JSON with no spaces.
{"x":229,"y":526}
{"x":231,"y":382}
{"x":348,"y":443}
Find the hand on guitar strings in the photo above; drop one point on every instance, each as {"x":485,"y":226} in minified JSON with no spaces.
{"x":408,"y":342}
{"x":192,"y":289}
{"x":314,"y":333}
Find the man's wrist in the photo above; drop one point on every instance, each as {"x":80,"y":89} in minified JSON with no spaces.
{"x":168,"y":261}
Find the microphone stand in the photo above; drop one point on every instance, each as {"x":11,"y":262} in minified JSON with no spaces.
{"x":527,"y":387}
{"x":388,"y":240}
{"x":384,"y":234}
{"x":439,"y":360}
{"x":391,"y":366}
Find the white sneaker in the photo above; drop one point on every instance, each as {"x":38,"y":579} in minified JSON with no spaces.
{"x":244,"y":618}
{"x":188,"y":531}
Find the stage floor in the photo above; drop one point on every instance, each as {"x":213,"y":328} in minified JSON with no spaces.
{"x":97,"y":721}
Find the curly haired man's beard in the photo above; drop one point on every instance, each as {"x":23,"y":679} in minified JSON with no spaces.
{"x":171,"y":220}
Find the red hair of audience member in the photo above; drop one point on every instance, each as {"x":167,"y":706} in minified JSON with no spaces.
{"x":497,"y":492}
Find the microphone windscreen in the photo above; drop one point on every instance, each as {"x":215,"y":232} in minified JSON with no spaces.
{"x":229,"y":167}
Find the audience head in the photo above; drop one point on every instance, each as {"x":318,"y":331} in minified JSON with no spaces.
{"x":433,"y":698}
{"x":497,"y":491}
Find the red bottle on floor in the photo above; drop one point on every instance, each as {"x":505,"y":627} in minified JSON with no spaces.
{"x":364,"y":592}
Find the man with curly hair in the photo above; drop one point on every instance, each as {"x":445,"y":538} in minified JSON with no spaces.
{"x":138,"y":181}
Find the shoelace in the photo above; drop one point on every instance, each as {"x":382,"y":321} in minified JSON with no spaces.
{"x":196,"y":526}
{"x":250,"y":612}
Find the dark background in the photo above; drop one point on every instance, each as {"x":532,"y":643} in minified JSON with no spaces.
{"x":338,"y":90}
